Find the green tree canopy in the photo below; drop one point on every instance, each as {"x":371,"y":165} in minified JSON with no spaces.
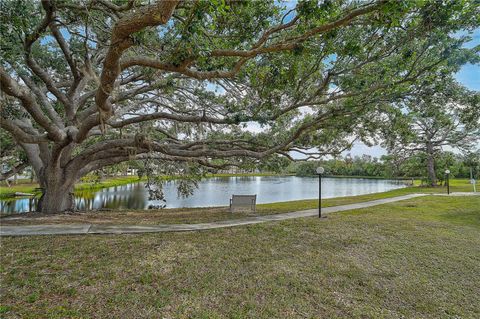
{"x":438,"y":114}
{"x":94,"y":83}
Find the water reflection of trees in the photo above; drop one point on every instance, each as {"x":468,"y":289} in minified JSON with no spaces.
{"x":214,"y":191}
{"x":119,"y":197}
{"x":20,"y":205}
{"x":231,"y":179}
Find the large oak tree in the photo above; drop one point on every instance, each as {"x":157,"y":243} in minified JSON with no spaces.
{"x":87,"y":84}
{"x":438,"y":115}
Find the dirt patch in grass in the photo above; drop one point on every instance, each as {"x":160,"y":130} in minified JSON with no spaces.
{"x":140,"y":217}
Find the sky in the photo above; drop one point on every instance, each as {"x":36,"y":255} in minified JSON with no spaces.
{"x":469,"y":76}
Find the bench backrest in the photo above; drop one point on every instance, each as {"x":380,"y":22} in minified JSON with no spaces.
{"x":243,"y":201}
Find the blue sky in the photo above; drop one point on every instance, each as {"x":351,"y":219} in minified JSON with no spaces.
{"x":469,"y":76}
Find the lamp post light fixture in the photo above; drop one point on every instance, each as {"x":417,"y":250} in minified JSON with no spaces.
{"x":447,"y":173}
{"x":320,"y":171}
{"x":472,"y":180}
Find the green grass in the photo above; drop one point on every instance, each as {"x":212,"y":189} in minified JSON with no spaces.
{"x":115,"y":181}
{"x":417,"y":258}
{"x":32,"y":188}
{"x":457,"y":185}
{"x":21,"y":188}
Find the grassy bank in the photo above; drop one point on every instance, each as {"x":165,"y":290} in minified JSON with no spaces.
{"x":32,"y":188}
{"x":415,"y":259}
{"x":199,"y":215}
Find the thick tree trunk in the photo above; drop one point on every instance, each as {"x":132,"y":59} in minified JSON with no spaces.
{"x":432,"y":176}
{"x":57,"y":194}
{"x":56,"y":200}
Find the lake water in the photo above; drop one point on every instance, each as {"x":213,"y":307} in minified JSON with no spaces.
{"x":217,"y":191}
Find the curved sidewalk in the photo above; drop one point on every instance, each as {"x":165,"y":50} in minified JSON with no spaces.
{"x":84,"y":229}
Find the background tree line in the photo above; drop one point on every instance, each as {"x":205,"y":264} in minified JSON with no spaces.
{"x":388,"y":166}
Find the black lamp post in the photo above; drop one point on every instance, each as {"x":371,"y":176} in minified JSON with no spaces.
{"x":447,"y":173}
{"x":320,"y":171}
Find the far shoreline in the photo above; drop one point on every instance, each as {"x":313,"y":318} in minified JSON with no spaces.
{"x":33,"y":188}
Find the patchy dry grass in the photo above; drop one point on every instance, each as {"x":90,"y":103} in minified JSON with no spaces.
{"x":139,"y":217}
{"x":414,"y":259}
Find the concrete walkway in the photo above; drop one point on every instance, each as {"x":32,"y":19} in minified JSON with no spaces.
{"x":83,"y":229}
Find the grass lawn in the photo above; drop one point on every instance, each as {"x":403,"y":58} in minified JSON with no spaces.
{"x":418,"y":258}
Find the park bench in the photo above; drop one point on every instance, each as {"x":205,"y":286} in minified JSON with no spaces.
{"x":243,"y":202}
